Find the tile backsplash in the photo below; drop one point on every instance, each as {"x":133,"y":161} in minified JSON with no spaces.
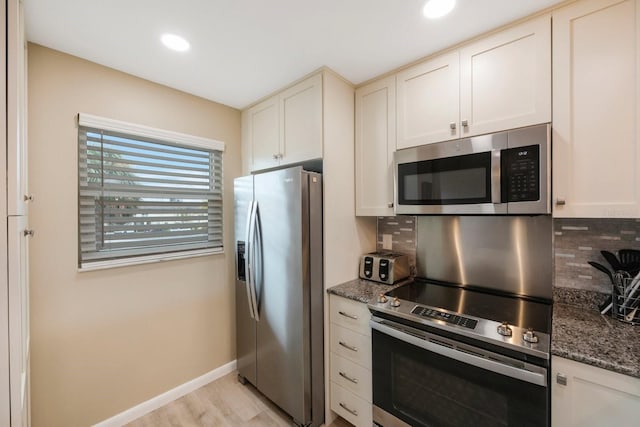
{"x":579,"y":240}
{"x":576,"y":241}
{"x":402,"y":230}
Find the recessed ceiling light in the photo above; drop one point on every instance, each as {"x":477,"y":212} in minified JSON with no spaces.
{"x":435,"y":9}
{"x":174,"y":42}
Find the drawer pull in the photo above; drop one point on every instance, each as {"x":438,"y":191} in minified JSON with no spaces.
{"x":350,"y":316}
{"x":347,"y":346}
{"x":348,"y":378}
{"x":346,"y":408}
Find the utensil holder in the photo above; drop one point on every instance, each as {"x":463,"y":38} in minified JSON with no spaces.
{"x":626,"y":300}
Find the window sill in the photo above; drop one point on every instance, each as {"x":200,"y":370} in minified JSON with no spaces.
{"x":149,"y":259}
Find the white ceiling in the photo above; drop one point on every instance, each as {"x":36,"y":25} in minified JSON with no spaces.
{"x":242,"y":50}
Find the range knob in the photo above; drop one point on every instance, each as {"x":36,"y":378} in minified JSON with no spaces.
{"x":505,"y":330}
{"x":395,"y":302}
{"x":530,"y":336}
{"x":382,"y":299}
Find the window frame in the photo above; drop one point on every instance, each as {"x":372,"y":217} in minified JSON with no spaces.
{"x":159,"y":135}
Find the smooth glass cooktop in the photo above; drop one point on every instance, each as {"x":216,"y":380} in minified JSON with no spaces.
{"x":517,"y":311}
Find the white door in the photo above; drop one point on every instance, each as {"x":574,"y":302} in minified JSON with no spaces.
{"x":505,"y":79}
{"x":428,"y":102}
{"x":17,"y":194}
{"x":375,"y":143}
{"x":596,"y":158}
{"x":264,"y":134}
{"x":18,"y":253}
{"x":301,"y":121}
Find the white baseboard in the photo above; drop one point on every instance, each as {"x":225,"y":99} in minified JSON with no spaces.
{"x":144,"y":408}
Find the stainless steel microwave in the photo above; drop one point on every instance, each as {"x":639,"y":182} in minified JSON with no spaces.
{"x":503,"y":173}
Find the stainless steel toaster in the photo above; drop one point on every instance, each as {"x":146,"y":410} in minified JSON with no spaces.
{"x":384,"y":267}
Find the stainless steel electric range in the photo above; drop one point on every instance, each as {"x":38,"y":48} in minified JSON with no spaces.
{"x":446,"y":354}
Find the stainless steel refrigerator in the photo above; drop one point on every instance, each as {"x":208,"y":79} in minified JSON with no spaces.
{"x":279,"y":290}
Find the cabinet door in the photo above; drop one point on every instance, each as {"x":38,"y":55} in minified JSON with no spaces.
{"x":428,"y":101}
{"x":375,"y":144}
{"x":301,"y":121}
{"x":505,"y":79}
{"x":592,"y":397}
{"x":595,"y":110}
{"x":17,"y":194}
{"x":264,"y":134}
{"x":18,"y":253}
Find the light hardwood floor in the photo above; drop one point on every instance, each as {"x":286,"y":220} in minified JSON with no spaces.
{"x":225,"y":403}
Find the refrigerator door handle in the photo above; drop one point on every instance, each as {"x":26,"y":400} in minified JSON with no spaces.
{"x":248,"y":265}
{"x":255,"y":227}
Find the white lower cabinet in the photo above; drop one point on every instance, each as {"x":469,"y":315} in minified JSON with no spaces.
{"x":350,"y":361}
{"x":585,"y":396}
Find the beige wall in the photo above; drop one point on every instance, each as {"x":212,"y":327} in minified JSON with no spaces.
{"x":104,"y":341}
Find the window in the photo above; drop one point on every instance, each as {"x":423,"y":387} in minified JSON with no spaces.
{"x":146,"y":194}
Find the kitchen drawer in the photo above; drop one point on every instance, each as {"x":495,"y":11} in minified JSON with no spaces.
{"x":350,"y":314}
{"x":351,"y":407}
{"x":351,"y":345}
{"x":351,"y":376}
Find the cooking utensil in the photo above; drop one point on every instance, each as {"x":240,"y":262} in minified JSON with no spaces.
{"x":629,"y":256}
{"x":613,"y":261}
{"x":602,"y":268}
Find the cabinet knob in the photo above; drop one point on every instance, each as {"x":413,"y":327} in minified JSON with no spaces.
{"x":465,"y":123}
{"x":275,"y":156}
{"x":452,"y":126}
{"x":390,"y":205}
{"x":560,"y":202}
{"x":561,"y":379}
{"x":28,"y":198}
{"x":29,"y":232}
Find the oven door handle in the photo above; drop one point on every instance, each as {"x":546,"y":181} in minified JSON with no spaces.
{"x":496,"y":176}
{"x":470,"y":359}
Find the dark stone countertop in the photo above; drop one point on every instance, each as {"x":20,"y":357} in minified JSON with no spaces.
{"x":363,"y":290}
{"x":579,"y":332}
{"x":584,"y":335}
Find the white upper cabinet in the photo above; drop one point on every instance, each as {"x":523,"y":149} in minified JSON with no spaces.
{"x":428,"y":101}
{"x":505,"y":79}
{"x":375,"y":143}
{"x":596,"y":157}
{"x":264,"y":134}
{"x":17,"y":192}
{"x":499,"y":82}
{"x":286,"y":128}
{"x":301,"y":121}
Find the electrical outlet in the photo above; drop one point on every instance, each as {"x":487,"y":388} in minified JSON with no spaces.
{"x":387,"y":242}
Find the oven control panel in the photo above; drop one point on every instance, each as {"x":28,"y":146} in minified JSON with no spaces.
{"x":444,"y":316}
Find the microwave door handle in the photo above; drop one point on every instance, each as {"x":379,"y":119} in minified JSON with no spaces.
{"x":496,"y":177}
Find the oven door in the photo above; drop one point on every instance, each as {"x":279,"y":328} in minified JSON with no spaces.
{"x":422,"y":379}
{"x":453,"y":177}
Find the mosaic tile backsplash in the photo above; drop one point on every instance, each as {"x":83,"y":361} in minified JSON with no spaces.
{"x":577,"y":241}
{"x":403,"y":231}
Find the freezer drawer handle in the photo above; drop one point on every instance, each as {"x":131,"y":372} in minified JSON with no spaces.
{"x":350,"y":316}
{"x":347,"y":346}
{"x":348,"y":378}
{"x":349,"y":410}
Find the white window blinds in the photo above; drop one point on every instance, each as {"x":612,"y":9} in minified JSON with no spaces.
{"x":139,"y":195}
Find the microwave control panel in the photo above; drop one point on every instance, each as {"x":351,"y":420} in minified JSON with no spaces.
{"x":521,"y":174}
